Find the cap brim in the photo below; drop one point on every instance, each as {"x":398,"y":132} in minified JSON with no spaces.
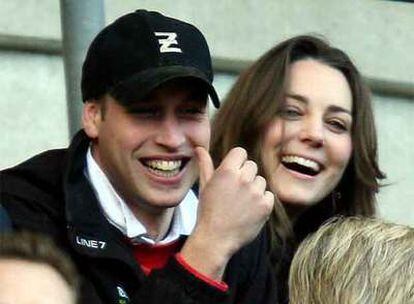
{"x":140,"y":85}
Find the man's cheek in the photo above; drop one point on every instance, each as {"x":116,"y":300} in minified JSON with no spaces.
{"x":200,"y":137}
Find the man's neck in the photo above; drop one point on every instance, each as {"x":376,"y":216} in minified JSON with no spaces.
{"x":157,"y":223}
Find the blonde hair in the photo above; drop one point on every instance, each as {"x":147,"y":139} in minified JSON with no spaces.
{"x":354,"y":260}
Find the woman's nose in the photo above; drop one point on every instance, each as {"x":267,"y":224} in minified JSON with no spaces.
{"x":313,"y":133}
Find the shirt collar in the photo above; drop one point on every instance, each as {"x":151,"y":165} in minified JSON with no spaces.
{"x":119,"y":214}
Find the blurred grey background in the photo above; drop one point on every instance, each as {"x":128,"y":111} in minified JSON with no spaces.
{"x":377,"y":34}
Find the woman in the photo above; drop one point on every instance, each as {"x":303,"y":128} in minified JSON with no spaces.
{"x":304,"y":115}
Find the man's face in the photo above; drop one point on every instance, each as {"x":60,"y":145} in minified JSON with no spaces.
{"x":24,"y":282}
{"x":146,"y":150}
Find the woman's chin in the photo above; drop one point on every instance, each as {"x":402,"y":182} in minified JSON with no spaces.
{"x":296,"y":206}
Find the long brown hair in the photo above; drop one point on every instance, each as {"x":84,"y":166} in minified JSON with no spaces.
{"x":253,"y":103}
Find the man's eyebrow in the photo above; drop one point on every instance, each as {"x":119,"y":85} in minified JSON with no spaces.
{"x":197,"y":94}
{"x":196,"y":98}
{"x":139,"y":106}
{"x":305,"y":100}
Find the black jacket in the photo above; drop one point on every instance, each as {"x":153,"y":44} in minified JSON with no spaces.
{"x":50,"y":194}
{"x":5,"y":224}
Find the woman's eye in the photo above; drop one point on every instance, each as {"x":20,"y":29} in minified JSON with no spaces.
{"x":290,"y":113}
{"x":338,"y":126}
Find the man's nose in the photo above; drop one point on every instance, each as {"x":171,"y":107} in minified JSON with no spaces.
{"x":170,"y":133}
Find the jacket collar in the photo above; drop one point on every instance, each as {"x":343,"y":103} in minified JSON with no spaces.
{"x":117,"y":212}
{"x":89,"y":231}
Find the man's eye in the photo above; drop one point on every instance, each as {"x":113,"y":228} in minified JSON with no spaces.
{"x":146,"y":112}
{"x":193,"y":110}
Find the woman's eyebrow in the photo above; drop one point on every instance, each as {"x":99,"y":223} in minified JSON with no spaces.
{"x":298,"y":97}
{"x":335,"y":108}
{"x":305,"y":100}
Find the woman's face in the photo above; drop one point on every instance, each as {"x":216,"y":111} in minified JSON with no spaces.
{"x":307,"y":147}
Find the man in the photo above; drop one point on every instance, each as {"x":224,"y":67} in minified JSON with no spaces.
{"x":119,"y":199}
{"x":33,"y":270}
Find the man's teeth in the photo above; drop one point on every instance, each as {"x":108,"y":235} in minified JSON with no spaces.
{"x":164,"y":165}
{"x":302,"y":161}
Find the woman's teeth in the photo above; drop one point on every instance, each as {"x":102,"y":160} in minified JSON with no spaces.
{"x":310,"y":164}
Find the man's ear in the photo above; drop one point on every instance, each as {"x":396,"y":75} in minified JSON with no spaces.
{"x":92,"y":118}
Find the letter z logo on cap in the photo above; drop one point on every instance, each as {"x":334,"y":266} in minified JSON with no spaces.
{"x":168,"y":42}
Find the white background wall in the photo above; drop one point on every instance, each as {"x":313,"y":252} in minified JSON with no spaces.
{"x":377,"y":34}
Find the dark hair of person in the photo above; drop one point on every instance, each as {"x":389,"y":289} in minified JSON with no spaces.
{"x":253,"y":103}
{"x":37,"y":248}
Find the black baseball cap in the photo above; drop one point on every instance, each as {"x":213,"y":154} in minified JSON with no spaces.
{"x":142,"y":50}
